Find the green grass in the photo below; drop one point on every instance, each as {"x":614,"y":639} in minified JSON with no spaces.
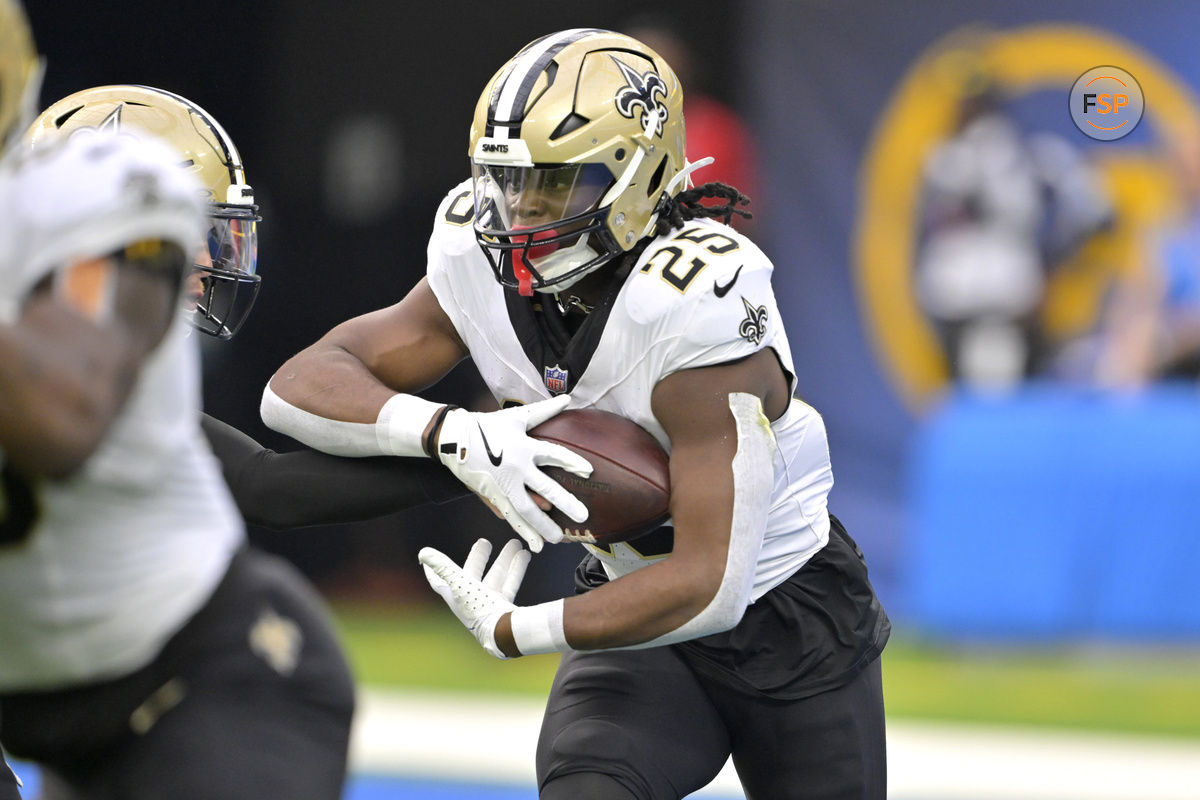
{"x":1115,"y":689}
{"x":426,"y":647}
{"x":1126,"y":690}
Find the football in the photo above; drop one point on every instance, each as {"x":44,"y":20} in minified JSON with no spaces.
{"x":629,"y":488}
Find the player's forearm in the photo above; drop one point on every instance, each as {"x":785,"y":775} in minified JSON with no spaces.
{"x":703,"y":587}
{"x":56,"y":403}
{"x":304,"y":488}
{"x":283,"y":491}
{"x":630,"y":612}
{"x":646,"y":604}
{"x":355,"y":368}
{"x":405,"y":426}
{"x":331,"y":382}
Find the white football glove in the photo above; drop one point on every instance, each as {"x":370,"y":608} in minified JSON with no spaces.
{"x":478,"y":600}
{"x":491,"y":453}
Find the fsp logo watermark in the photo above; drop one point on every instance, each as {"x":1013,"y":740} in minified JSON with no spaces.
{"x":1106,"y":103}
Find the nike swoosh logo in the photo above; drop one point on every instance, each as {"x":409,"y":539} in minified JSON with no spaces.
{"x":495,"y":458}
{"x":721,"y":291}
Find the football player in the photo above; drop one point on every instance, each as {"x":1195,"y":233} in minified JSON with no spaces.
{"x":147,"y":651}
{"x":275,"y":490}
{"x":576,"y":268}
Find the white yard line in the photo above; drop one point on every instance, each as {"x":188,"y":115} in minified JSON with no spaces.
{"x":490,"y":739}
{"x":929,"y":761}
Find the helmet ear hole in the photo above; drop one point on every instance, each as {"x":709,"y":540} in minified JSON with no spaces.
{"x":657,"y":178}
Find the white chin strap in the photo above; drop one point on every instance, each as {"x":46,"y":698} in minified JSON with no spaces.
{"x":682,"y":180}
{"x":562,"y":261}
{"x":685,"y":174}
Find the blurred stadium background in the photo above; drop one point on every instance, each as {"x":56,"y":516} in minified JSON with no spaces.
{"x":1027,"y":497}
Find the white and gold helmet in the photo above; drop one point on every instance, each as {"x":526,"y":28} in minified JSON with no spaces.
{"x":20,"y":72}
{"x":575,"y":144}
{"x":227,"y":267}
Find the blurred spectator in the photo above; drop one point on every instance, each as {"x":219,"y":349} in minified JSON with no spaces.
{"x":1152,"y":325}
{"x":713,"y":127}
{"x":1002,"y":208}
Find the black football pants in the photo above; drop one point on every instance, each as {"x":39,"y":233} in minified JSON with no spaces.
{"x":252,"y":699}
{"x":659,"y":731}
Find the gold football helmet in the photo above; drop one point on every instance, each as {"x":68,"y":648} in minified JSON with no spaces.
{"x":227,"y":267}
{"x":20,"y":72}
{"x":576,"y":143}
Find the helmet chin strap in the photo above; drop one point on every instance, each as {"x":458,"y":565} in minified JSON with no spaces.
{"x":564,"y":260}
{"x":685,"y":174}
{"x":683,"y":177}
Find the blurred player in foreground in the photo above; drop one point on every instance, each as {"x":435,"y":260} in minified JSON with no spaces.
{"x":576,"y":268}
{"x":276,"y":490}
{"x":147,"y":652}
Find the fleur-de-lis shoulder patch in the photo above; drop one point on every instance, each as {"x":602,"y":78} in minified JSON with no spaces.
{"x":754,"y":326}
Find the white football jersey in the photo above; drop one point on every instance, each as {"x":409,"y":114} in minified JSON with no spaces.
{"x":127,"y":549}
{"x":696,"y":297}
{"x":117,"y":557}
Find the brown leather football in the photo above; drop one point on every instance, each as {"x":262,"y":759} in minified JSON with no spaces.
{"x":628,"y":492}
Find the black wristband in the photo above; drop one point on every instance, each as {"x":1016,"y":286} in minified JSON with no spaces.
{"x":431,"y":438}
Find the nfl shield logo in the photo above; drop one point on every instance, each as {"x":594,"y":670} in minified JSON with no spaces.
{"x":556,"y":379}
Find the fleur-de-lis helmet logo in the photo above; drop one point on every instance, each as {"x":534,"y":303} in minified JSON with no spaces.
{"x":641,"y":96}
{"x":111,"y":123}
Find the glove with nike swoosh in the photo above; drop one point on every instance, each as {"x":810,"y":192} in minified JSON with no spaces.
{"x":491,"y":453}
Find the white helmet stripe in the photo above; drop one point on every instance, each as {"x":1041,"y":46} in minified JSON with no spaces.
{"x":513,"y":88}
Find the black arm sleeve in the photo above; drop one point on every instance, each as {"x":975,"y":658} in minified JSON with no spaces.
{"x":305,"y":487}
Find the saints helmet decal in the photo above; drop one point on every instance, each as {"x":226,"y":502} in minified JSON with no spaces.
{"x":642,"y":97}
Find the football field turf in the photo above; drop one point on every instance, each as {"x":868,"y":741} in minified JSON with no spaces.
{"x":441,"y":720}
{"x":1068,"y":722}
{"x":439,"y":745}
{"x":1126,"y":689}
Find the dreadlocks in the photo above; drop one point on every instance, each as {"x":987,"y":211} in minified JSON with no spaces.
{"x":686,"y":205}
